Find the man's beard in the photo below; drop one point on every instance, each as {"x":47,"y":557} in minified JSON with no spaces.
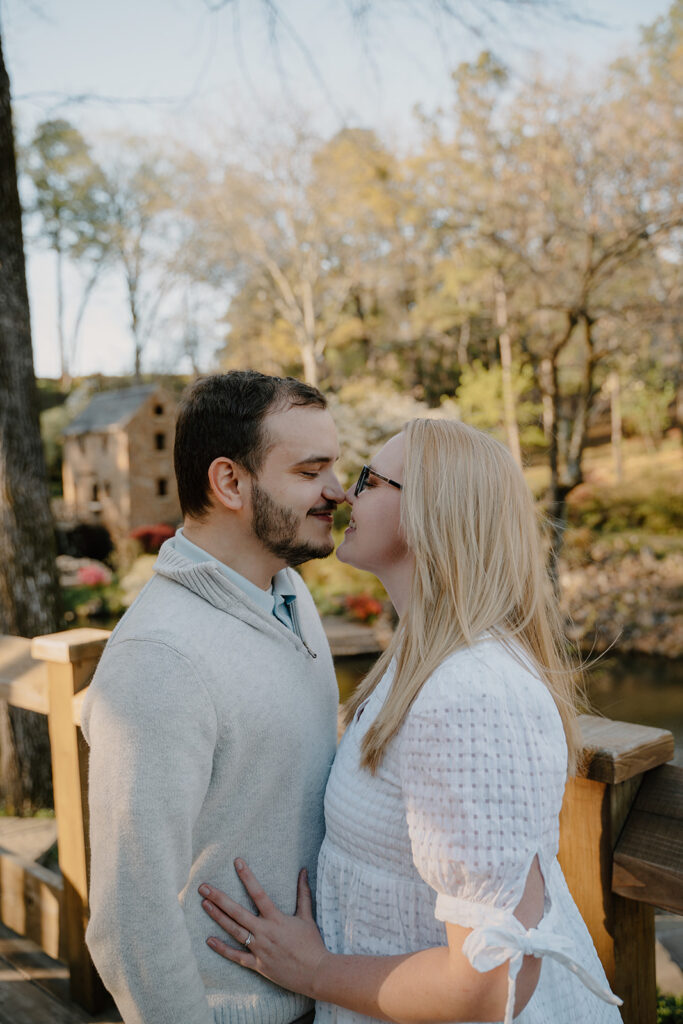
{"x":276,"y":526}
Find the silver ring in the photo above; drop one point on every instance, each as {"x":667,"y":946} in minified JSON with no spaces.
{"x":248,"y":939}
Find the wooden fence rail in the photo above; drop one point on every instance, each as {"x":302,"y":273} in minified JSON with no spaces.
{"x":621,"y":829}
{"x":50,"y":675}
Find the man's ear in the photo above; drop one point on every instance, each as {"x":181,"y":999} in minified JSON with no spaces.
{"x":227,"y":480}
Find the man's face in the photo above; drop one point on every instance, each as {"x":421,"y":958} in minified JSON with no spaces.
{"x":296,"y":490}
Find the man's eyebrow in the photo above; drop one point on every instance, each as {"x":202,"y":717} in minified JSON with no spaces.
{"x":313,"y":459}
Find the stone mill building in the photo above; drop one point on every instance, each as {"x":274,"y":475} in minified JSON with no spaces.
{"x":118,"y":460}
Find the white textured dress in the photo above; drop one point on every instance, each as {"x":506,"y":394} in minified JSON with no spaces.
{"x":467,"y":794}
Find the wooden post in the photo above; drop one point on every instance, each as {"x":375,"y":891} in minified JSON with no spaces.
{"x":71,"y":660}
{"x":596,"y":805}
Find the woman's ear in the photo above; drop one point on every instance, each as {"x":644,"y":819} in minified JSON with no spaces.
{"x":227,"y":482}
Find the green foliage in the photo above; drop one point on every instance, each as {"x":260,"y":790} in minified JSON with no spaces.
{"x":68,"y":189}
{"x":50,"y":393}
{"x":52,"y":424}
{"x":331,"y":581}
{"x":669,"y":1009}
{"x":100,"y":602}
{"x":612,"y":511}
{"x":480,"y":401}
{"x":649,"y":500}
{"x":645,"y":404}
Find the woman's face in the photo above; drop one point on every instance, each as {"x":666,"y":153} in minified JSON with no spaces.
{"x":374,"y":540}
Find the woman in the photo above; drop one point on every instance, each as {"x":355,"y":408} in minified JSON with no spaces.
{"x":439,"y":895}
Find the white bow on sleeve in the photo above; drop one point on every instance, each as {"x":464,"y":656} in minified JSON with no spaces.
{"x":489,"y":947}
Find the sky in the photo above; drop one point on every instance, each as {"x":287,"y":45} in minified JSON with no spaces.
{"x":178,"y":67}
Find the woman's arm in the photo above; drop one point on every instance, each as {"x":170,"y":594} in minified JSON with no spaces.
{"x":433,"y":985}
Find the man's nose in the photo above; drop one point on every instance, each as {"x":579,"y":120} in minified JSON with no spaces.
{"x":333,"y":491}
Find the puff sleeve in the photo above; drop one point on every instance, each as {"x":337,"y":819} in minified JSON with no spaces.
{"x":483,"y":759}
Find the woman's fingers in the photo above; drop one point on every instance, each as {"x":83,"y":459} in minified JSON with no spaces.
{"x":229,"y":907}
{"x":228,"y":924}
{"x":304,"y":902}
{"x":238,"y":956}
{"x":262,"y":901}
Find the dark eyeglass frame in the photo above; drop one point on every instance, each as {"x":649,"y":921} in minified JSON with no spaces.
{"x":363,"y":479}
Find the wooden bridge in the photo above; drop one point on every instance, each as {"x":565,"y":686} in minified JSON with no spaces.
{"x":621,"y":847}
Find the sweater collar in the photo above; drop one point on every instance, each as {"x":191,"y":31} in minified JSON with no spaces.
{"x":208,"y":581}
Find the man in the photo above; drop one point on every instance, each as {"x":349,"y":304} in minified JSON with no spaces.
{"x":212,"y":715}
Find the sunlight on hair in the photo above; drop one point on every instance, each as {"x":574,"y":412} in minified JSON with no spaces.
{"x":470,"y":519}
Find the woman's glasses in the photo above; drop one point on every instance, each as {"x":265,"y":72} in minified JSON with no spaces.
{"x":362,"y":481}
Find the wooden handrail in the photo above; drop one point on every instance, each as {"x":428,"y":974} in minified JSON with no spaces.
{"x":597,"y":810}
{"x":23,"y":681}
{"x":71,"y":658}
{"x":617,"y":751}
{"x":648,"y":858}
{"x":23,"y":666}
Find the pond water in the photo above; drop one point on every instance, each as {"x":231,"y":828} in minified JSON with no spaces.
{"x":625,"y":687}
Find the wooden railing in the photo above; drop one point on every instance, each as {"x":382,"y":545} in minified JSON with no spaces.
{"x":621,"y":829}
{"x":50,"y":675}
{"x":621,"y":851}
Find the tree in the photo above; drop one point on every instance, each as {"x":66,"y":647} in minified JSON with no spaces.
{"x":69,"y":201}
{"x":143,"y":233}
{"x":571,"y":207}
{"x":28,"y":578}
{"x":290,"y":233}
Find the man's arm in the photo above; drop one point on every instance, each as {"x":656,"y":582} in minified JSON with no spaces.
{"x":152,"y":731}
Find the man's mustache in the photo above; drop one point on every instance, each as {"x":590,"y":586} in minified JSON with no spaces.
{"x":329,"y":506}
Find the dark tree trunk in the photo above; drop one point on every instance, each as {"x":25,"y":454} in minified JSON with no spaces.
{"x":568,"y":441}
{"x":28,"y":574}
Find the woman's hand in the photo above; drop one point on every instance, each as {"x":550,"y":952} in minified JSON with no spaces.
{"x":287,"y":950}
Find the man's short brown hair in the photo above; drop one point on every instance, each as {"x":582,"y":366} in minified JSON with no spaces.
{"x":222,"y":416}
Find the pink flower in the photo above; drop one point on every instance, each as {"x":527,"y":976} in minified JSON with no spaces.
{"x":93,"y":575}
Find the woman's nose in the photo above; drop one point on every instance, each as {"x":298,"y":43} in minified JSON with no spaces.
{"x":350,"y":495}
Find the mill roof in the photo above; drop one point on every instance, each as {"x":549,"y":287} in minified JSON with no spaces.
{"x":110,"y":409}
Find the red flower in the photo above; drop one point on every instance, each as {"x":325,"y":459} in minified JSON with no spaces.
{"x":152,"y":537}
{"x":362,"y":607}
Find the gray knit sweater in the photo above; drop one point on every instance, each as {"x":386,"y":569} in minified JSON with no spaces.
{"x":212,"y":732}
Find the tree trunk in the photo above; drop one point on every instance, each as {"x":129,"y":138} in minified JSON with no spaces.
{"x":566,"y":466}
{"x":28,"y":574}
{"x":308,"y":360}
{"x":463,"y":344}
{"x":545,"y":372}
{"x":615,"y":418}
{"x":556,"y":500}
{"x":510,"y":416}
{"x":308,"y":332}
{"x":64,"y":374}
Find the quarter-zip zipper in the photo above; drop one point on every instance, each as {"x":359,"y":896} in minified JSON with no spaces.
{"x":297,"y":627}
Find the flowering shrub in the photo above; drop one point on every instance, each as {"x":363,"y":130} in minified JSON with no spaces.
{"x":93,"y":576}
{"x":152,"y":537}
{"x":362,"y":607}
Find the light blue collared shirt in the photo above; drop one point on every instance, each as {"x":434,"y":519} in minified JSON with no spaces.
{"x":274,"y":601}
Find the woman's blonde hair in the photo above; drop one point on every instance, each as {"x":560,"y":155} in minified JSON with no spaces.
{"x":470,"y":520}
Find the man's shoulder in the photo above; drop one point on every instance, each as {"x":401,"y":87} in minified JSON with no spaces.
{"x":161,"y":626}
{"x":163,"y":609}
